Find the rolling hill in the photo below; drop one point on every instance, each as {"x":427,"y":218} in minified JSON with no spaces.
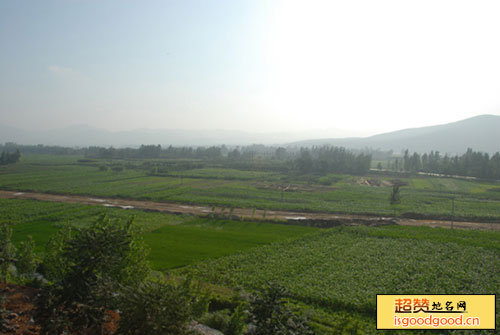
{"x":481,"y":133}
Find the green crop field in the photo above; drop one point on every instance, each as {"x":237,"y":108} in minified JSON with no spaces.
{"x":334,"y":275}
{"x":173,"y":240}
{"x":430,"y":196}
{"x":198,"y":239}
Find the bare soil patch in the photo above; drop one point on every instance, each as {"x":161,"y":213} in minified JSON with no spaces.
{"x":19,"y":310}
{"x":374,"y":182}
{"x":293,"y":187}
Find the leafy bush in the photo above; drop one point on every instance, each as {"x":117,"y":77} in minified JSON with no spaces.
{"x":54,"y":265}
{"x":27,"y":261}
{"x":103,"y":267}
{"x":97,"y":259}
{"x":225,"y":321}
{"x":155,"y":308}
{"x":270,"y":315}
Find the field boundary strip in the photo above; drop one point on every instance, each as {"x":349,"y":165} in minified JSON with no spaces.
{"x":318,"y":219}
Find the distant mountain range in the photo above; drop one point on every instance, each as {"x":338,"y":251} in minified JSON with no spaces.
{"x":84,"y":135}
{"x":481,"y":133}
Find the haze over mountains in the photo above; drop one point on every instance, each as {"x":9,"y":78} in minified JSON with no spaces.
{"x":481,"y":133}
{"x":84,"y":135}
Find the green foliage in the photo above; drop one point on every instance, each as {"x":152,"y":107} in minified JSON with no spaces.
{"x":10,"y":158}
{"x":98,"y":258}
{"x":270,"y":315}
{"x":7,"y":252}
{"x":328,"y":159}
{"x":319,"y":269}
{"x":105,"y":250}
{"x":395,"y":197}
{"x":27,"y":261}
{"x":156,"y":308}
{"x":102,"y":267}
{"x":229,"y":323}
{"x":471,"y":163}
{"x":55,"y":266}
{"x":57,"y":314}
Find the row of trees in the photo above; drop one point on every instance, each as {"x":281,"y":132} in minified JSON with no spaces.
{"x":40,"y":149}
{"x":320,"y":160}
{"x":154,"y":151}
{"x":144,"y":151}
{"x":327,"y":159}
{"x":10,"y":157}
{"x":471,"y":163}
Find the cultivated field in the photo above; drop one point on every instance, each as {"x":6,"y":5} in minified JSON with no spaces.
{"x":332,"y":275}
{"x":174,"y":240}
{"x":422,"y":197}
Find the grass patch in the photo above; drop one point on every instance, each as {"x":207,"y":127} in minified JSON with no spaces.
{"x":200,"y":239}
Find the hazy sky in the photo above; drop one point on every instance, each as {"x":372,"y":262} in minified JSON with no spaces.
{"x":248,"y":65}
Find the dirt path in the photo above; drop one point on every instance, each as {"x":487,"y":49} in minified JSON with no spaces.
{"x":317,"y":219}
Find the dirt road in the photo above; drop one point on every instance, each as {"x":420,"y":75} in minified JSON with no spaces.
{"x":316,"y":219}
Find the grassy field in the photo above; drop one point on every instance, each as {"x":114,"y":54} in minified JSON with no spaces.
{"x":429,"y":196}
{"x":198,"y":239}
{"x":174,"y":241}
{"x":334,"y":275}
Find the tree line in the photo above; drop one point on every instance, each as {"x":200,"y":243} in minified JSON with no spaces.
{"x":317,"y":160}
{"x":471,"y":164}
{"x":40,"y":149}
{"x":327,"y":159}
{"x":10,"y":157}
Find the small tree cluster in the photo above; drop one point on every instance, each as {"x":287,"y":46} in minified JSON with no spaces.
{"x":103,"y":267}
{"x":157,"y":307}
{"x":471,"y":163}
{"x":88,"y":265}
{"x":328,"y":159}
{"x":270,"y":315}
{"x":228,"y":316}
{"x":10,"y":157}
